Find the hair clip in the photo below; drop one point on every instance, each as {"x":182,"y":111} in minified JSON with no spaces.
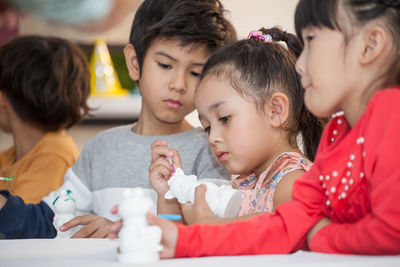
{"x":260,"y":36}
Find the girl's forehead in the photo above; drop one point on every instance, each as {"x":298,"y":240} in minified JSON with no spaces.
{"x":213,"y":84}
{"x":212,"y":89}
{"x":207,"y":89}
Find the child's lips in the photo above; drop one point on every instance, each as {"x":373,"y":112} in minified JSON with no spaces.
{"x":221,"y":155}
{"x":172,"y":103}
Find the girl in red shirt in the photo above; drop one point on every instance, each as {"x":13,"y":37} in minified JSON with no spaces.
{"x":348,"y":201}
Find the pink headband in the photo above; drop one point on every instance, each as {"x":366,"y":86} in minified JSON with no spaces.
{"x":260,"y":36}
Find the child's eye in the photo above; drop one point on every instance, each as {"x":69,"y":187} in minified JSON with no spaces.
{"x":309,"y":38}
{"x":207,"y":129}
{"x":195,"y":74}
{"x":164,"y":66}
{"x":224,"y":119}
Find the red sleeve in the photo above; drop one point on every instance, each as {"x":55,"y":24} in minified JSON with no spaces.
{"x":281,"y":232}
{"x":379,"y":231}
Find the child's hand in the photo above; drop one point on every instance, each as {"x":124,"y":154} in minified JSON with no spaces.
{"x":169,"y":234}
{"x":199,"y":211}
{"x":160,"y":168}
{"x":318,"y":226}
{"x":115,"y":227}
{"x":95,"y":226}
{"x":3,"y":201}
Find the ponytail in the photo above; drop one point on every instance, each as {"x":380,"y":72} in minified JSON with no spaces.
{"x":303,"y":122}
{"x":293,"y":43}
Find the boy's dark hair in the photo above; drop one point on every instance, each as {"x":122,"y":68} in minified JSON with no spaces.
{"x":46,"y":80}
{"x":257,"y":69}
{"x":187,"y":21}
{"x":316,"y":13}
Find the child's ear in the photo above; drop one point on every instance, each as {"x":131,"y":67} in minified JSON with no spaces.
{"x":375,"y":43}
{"x":278,"y":106}
{"x":132,"y":62}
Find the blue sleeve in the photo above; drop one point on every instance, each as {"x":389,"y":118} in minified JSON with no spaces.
{"x":20,"y":220}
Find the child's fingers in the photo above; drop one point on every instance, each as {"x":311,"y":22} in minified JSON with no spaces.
{"x":114,"y":229}
{"x":85,"y":232}
{"x":3,"y":201}
{"x":199,"y":211}
{"x":200,"y":194}
{"x":158,"y":176}
{"x":114,"y":209}
{"x":97,"y":228}
{"x":101,"y":232}
{"x":159,"y":143}
{"x":176,"y":159}
{"x":151,"y":218}
{"x":160,"y":162}
{"x":159,"y":169}
{"x":161,"y":151}
{"x":78,"y":220}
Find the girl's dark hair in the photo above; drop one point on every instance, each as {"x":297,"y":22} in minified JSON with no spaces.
{"x":46,"y":80}
{"x":187,"y":21}
{"x":257,"y":69}
{"x":317,"y":13}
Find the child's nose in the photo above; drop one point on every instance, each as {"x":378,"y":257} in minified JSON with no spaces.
{"x":214,"y":137}
{"x":178,"y":83}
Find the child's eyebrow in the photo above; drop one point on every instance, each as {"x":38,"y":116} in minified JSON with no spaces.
{"x":216,"y":105}
{"x":198,"y":64}
{"x":162,"y":53}
{"x":213,"y":107}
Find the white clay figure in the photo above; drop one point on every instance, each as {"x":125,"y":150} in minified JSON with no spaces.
{"x":139,"y":242}
{"x":64,"y":207}
{"x":223,"y":200}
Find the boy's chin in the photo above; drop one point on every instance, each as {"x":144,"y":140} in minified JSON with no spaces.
{"x":172,"y":120}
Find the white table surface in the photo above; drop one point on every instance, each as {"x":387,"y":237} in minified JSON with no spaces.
{"x":102,"y":252}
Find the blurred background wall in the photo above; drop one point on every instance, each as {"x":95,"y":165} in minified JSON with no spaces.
{"x":246,"y":15}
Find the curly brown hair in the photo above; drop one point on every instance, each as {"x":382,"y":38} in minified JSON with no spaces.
{"x":46,"y":80}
